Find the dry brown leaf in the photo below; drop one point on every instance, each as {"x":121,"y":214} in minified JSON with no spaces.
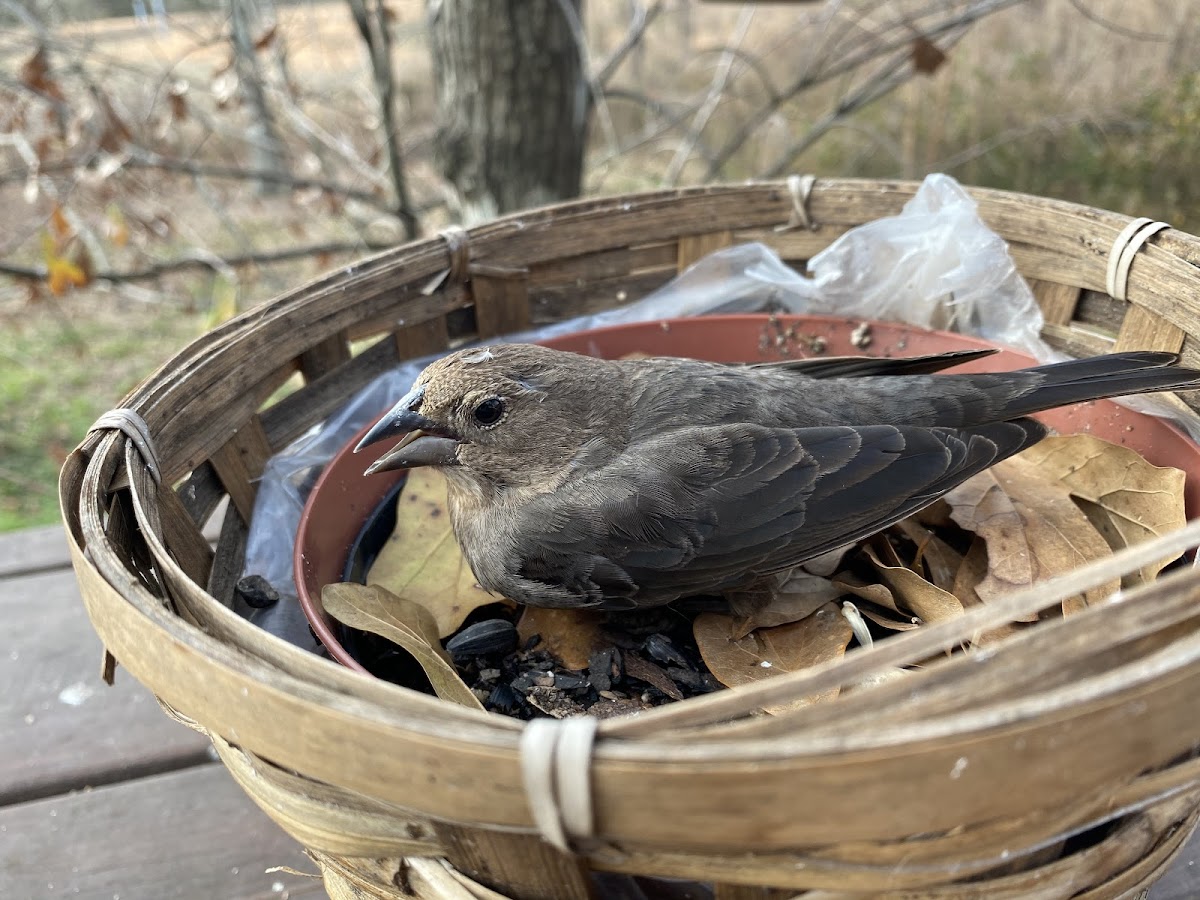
{"x":377,"y":610}
{"x":1127,"y":499}
{"x":421,"y":560}
{"x":35,"y":75}
{"x":797,"y":598}
{"x":938,"y":558}
{"x":572,"y":635}
{"x":913,"y":594}
{"x":827,"y":563}
{"x":972,"y":570}
{"x":772,"y":651}
{"x":927,"y":57}
{"x":1032,"y":528}
{"x":652,"y":674}
{"x":935,"y":515}
{"x":882,"y":609}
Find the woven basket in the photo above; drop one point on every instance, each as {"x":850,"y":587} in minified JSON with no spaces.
{"x":1058,"y":764}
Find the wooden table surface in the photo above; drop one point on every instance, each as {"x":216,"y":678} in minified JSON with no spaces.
{"x":103,"y":797}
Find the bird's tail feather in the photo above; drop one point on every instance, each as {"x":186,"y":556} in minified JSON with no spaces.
{"x":1111,"y":375}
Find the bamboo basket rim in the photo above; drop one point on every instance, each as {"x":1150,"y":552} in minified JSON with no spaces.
{"x":209,"y":654}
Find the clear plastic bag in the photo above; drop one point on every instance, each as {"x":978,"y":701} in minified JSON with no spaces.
{"x":935,"y":265}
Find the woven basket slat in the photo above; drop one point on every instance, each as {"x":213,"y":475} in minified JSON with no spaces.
{"x":1100,"y":311}
{"x":188,"y":546}
{"x":201,"y":493}
{"x":421,"y":339}
{"x":1142,"y":330}
{"x":1078,"y":340}
{"x":239,"y":463}
{"x":578,"y":271}
{"x":325,"y":356}
{"x":292,"y":415}
{"x":501,"y":303}
{"x":412,"y":306}
{"x":324,"y":816}
{"x":795,"y":244}
{"x":502,"y":859}
{"x":1057,"y":301}
{"x":229,"y":558}
{"x":1072,"y":725}
{"x":694,"y":247}
{"x":549,"y":304}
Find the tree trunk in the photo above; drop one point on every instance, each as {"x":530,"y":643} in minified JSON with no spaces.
{"x":512,"y":101}
{"x":267,"y":151}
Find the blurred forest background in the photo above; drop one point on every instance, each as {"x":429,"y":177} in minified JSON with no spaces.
{"x":166,"y":164}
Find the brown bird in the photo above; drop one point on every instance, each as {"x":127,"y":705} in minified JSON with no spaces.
{"x":581,"y":482}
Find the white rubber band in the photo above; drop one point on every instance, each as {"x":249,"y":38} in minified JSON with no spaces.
{"x":459,"y":249}
{"x":800,"y":187}
{"x":135,"y":428}
{"x":1120,"y":258}
{"x":556,"y":757}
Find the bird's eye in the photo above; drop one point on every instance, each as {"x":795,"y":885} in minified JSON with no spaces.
{"x":489,"y":412}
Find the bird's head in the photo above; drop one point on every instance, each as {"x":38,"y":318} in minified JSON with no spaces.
{"x":505,"y":416}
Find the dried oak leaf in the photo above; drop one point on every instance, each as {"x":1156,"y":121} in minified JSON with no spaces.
{"x":801,"y":595}
{"x":912,"y":593}
{"x":882,"y":610}
{"x":769,"y":652}
{"x":972,"y":569}
{"x":62,"y":272}
{"x":1127,"y":499}
{"x":572,"y":635}
{"x":35,"y":75}
{"x":421,"y":560}
{"x":939,"y":559}
{"x":404,"y":623}
{"x":927,"y":57}
{"x":1032,"y":528}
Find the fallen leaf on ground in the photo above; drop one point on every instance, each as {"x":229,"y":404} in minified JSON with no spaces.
{"x":913,"y":594}
{"x":797,"y":598}
{"x":938,"y":558}
{"x":882,"y":610}
{"x":827,"y":563}
{"x":375,"y":609}
{"x":1127,"y":499}
{"x":1032,"y":528}
{"x":421,"y":560}
{"x":572,"y":635}
{"x":769,"y":652}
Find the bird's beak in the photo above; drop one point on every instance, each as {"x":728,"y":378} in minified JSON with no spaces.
{"x":425,"y":442}
{"x":417,"y":448}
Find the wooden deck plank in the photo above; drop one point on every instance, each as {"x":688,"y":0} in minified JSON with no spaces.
{"x":40,"y":549}
{"x":61,"y":727}
{"x":183,"y":835}
{"x":33,"y":550}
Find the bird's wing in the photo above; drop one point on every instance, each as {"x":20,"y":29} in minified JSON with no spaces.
{"x":860,"y":366}
{"x":693,"y":510}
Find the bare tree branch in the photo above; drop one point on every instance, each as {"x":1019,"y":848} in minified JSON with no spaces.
{"x":1116,"y":27}
{"x":904,"y":33}
{"x":205,"y":261}
{"x":642,"y":19}
{"x":145,"y":159}
{"x":373,"y":27}
{"x":715,"y":91}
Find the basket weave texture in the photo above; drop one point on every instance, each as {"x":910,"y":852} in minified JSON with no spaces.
{"x":966,"y":780}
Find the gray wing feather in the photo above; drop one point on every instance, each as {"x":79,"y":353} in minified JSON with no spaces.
{"x":695,"y":509}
